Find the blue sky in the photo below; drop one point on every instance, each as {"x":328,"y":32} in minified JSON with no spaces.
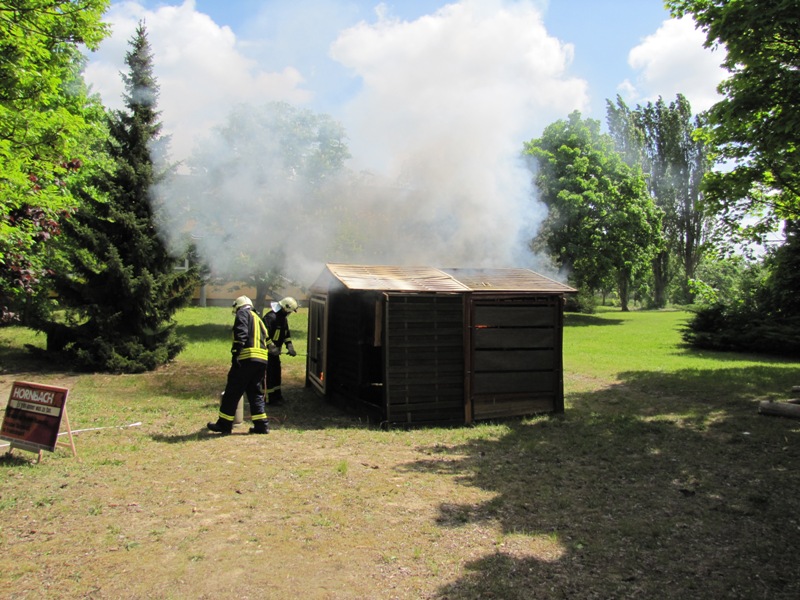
{"x":438,"y":95}
{"x":283,"y":50}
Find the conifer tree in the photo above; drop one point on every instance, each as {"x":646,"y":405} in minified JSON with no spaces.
{"x":120,"y":288}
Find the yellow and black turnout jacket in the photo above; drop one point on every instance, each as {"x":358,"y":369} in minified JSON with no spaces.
{"x":250,"y":337}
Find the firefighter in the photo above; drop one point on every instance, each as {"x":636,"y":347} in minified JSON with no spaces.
{"x":277,"y":323}
{"x":248,"y":366}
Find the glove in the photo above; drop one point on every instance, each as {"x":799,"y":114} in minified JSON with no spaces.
{"x":273,"y":350}
{"x":290,"y":349}
{"x":235,"y":358}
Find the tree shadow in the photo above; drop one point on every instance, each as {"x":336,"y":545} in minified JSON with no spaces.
{"x":665,"y":485}
{"x":582,"y":320}
{"x":31,"y":359}
{"x":207,"y":332}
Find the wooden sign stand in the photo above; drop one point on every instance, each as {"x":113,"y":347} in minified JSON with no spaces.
{"x":34,"y":418}
{"x":70,"y":444}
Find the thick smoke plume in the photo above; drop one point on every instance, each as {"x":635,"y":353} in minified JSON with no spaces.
{"x":435,"y":132}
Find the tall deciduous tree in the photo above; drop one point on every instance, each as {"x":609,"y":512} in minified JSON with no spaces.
{"x":46,"y":124}
{"x":754,"y":128}
{"x":120,"y":287}
{"x":601,"y":221}
{"x":659,"y":138}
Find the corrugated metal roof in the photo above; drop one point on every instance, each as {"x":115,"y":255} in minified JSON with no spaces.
{"x":431,"y":279}
{"x":394,"y":279}
{"x":507,"y":280}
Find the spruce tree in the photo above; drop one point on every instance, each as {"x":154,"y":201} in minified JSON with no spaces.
{"x":120,"y":288}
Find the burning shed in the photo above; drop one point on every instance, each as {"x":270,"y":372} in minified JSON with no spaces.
{"x":421,"y":345}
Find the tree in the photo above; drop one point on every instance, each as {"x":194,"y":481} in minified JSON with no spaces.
{"x":46,"y":124}
{"x":765,"y":316}
{"x":601,"y":222}
{"x":250,"y":184}
{"x":659,"y":138}
{"x":754,"y":128}
{"x":120,"y":287}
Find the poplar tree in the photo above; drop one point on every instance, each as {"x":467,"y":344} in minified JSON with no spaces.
{"x":120,"y":288}
{"x":658,"y":137}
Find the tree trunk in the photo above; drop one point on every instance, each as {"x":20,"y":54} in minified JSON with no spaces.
{"x":262,"y":287}
{"x":660,"y":279}
{"x":623,"y":289}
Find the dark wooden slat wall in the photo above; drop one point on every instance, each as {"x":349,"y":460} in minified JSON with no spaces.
{"x":424,"y":359}
{"x":516,"y":356}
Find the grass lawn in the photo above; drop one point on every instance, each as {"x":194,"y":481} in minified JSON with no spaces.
{"x":661,"y":480}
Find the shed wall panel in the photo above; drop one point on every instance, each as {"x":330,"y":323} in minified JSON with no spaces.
{"x":513,"y":383}
{"x":523,"y":337}
{"x":513,"y":360}
{"x":515,"y":316}
{"x":515,"y":355}
{"x":498,"y":408}
{"x":424,"y":358}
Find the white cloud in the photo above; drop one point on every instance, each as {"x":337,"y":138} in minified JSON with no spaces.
{"x":673,"y":60}
{"x":483,"y":68}
{"x":200,"y":69}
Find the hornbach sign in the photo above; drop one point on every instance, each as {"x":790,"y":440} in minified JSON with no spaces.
{"x":33,"y":416}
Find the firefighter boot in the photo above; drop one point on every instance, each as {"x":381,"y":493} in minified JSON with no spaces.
{"x":222,"y":426}
{"x":260,"y":426}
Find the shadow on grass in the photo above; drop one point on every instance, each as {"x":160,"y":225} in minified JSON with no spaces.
{"x":8,"y":459}
{"x":303,"y":411}
{"x":201,"y":435}
{"x":22,"y":360}
{"x":581,"y":320}
{"x":665,"y":485}
{"x":208,"y":332}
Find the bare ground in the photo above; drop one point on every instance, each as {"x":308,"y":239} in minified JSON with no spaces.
{"x":609,"y":501}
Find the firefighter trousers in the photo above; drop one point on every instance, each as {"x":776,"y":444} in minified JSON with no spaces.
{"x":274,"y":379}
{"x":246,"y":378}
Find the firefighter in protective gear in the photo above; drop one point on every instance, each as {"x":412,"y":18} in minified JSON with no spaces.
{"x":248,"y":366}
{"x":277,"y":323}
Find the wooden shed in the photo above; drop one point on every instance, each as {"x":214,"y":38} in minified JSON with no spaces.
{"x":423,"y":345}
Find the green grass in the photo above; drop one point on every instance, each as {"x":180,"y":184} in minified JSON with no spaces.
{"x":660,"y":480}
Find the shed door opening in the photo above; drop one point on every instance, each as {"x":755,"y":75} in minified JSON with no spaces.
{"x":317,"y":337}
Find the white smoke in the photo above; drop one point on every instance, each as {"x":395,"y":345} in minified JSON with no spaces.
{"x":443,"y":106}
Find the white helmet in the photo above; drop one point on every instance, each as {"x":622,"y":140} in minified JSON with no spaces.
{"x":240,"y":302}
{"x":288,"y":304}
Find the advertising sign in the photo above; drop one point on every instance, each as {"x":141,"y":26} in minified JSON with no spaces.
{"x":33,"y":416}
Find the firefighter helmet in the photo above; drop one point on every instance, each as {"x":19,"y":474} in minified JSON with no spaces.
{"x":288,"y":304}
{"x":240,"y":302}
